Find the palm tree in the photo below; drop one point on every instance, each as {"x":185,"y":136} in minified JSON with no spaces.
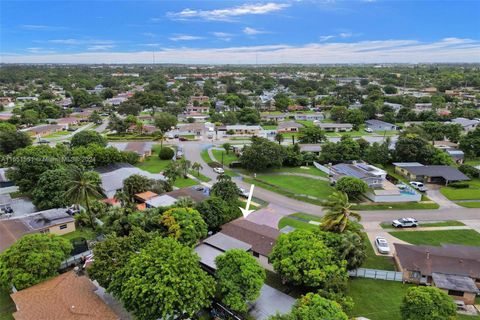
{"x":185,"y":165}
{"x":160,"y":137}
{"x":279,"y":138}
{"x":227,"y":146}
{"x":172,"y":172}
{"x":82,"y":187}
{"x":197,"y":166}
{"x":338,"y":213}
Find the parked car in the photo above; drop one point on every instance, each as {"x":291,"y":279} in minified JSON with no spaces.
{"x":182,"y":139}
{"x":418,"y":185}
{"x":405,"y":223}
{"x":382,"y":245}
{"x":43,"y":141}
{"x":243,"y":193}
{"x":369,"y":130}
{"x":219,"y":170}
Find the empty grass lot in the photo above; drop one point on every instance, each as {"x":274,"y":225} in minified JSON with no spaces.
{"x":377,"y":299}
{"x":86,"y":233}
{"x":298,"y":224}
{"x":471,"y":193}
{"x":436,"y":238}
{"x":302,"y":170}
{"x":449,"y":223}
{"x":227,"y":158}
{"x":154,"y":164}
{"x":299,"y":185}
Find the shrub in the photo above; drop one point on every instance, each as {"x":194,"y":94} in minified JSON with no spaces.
{"x":470,"y":171}
{"x":214,"y":164}
{"x":166,"y":153}
{"x":459,"y":185}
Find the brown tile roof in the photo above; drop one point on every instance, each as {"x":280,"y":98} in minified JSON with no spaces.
{"x":262,"y":238}
{"x":11,"y":231}
{"x":144,"y":196}
{"x":448,"y":259}
{"x":65,"y":297}
{"x":197,"y":196}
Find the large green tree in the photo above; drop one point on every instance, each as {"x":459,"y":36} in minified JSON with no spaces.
{"x":50,"y":189}
{"x":32,"y":259}
{"x":86,"y":137}
{"x":164,"y":280}
{"x":134,"y":184}
{"x":427,"y":303}
{"x":13,"y":140}
{"x":239,"y":278}
{"x":186,"y":223}
{"x":312,"y":135}
{"x":352,"y":186}
{"x":215,"y":211}
{"x":262,"y":154}
{"x":470,"y":143}
{"x":314,"y":307}
{"x":413,"y":148}
{"x":165,"y":121}
{"x":303,"y":258}
{"x":225,"y":189}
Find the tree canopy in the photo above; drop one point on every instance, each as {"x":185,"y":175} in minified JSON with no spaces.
{"x":86,"y":137}
{"x":427,"y":303}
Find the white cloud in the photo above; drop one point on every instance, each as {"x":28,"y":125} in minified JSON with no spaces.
{"x":36,"y":50}
{"x":228,"y":13}
{"x":223,"y":36}
{"x":185,"y":37}
{"x":252,"y":31}
{"x":151,"y":44}
{"x":100,"y":47}
{"x":384,"y":51}
{"x":326,"y":38}
{"x":39,"y":27}
{"x":345,"y":35}
{"x":66,"y":41}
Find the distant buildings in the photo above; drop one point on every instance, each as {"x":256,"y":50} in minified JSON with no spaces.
{"x":335,"y":127}
{"x":377,"y":125}
{"x":415,"y":171}
{"x":467,"y":124}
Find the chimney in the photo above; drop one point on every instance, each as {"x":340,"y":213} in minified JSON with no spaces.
{"x":428,"y":255}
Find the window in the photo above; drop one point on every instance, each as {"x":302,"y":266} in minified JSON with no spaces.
{"x":415,"y":274}
{"x":256,"y":254}
{"x":63,"y":226}
{"x":455,"y":293}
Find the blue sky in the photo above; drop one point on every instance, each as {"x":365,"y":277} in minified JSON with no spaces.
{"x":302,"y":31}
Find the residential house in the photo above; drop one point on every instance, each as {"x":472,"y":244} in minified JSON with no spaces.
{"x":55,"y":221}
{"x":395,"y":106}
{"x":69,"y":296}
{"x":67,"y":122}
{"x":262,"y":238}
{"x":356,"y":105}
{"x":200,"y":99}
{"x":313,"y":148}
{"x":415,"y":171}
{"x":419,"y":107}
{"x":197,"y":116}
{"x":196,"y":193}
{"x":377,"y":125}
{"x":142,"y":148}
{"x":144,"y":129}
{"x":26,"y":99}
{"x":289,"y":126}
{"x":467,"y":124}
{"x":296,"y":108}
{"x":115,"y":101}
{"x":451,"y":149}
{"x":112,"y":177}
{"x":196,"y":109}
{"x":380,"y":189}
{"x":43,"y":130}
{"x":64,"y":103}
{"x":454,"y":269}
{"x":274,"y":117}
{"x":335,"y":127}
{"x":196,"y":129}
{"x":244,"y":130}
{"x":318,"y":116}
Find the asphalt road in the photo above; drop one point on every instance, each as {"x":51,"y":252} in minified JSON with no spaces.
{"x":192,"y":152}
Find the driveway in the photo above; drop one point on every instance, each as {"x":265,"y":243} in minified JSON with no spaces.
{"x":434,"y":193}
{"x":373,"y":229}
{"x":270,"y":215}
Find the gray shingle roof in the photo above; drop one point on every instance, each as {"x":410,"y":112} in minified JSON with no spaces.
{"x":446,"y":172}
{"x":454,"y":282}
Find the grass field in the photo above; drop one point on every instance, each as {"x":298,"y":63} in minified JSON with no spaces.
{"x":436,"y":238}
{"x":471,"y":193}
{"x":183,"y":183}
{"x":154,"y":164}
{"x":397,"y":206}
{"x":298,"y":185}
{"x":227,"y":158}
{"x":80,"y":233}
{"x":298,"y":224}
{"x":199,"y":176}
{"x":305,"y":170}
{"x":467,"y":204}
{"x":377,"y":299}
{"x":58,"y":134}
{"x":376,"y":262}
{"x":7,"y":307}
{"x":269,"y":127}
{"x":449,"y":223}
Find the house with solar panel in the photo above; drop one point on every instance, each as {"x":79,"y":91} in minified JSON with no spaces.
{"x":379,"y":188}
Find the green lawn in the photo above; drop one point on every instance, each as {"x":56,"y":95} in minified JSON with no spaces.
{"x":376,"y":262}
{"x":227,"y":158}
{"x":205,"y":156}
{"x":448,"y":223}
{"x":80,"y":233}
{"x":58,"y":134}
{"x":297,"y":224}
{"x":7,"y":307}
{"x":154,"y":164}
{"x":436,"y":238}
{"x":306,"y":170}
{"x":471,"y":193}
{"x":467,"y":204}
{"x":377,"y":299}
{"x":269,"y":127}
{"x":305,"y":123}
{"x":183,"y":183}
{"x":396,"y":206}
{"x":199,"y":176}
{"x":298,"y":185}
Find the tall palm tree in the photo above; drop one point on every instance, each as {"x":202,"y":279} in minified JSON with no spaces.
{"x":82,"y":187}
{"x":197,"y":166}
{"x":279,"y":138}
{"x":185,"y":165}
{"x":338,"y":213}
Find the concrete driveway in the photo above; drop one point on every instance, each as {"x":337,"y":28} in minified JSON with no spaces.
{"x":434,"y":193}
{"x":373,"y":229}
{"x":270,"y":215}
